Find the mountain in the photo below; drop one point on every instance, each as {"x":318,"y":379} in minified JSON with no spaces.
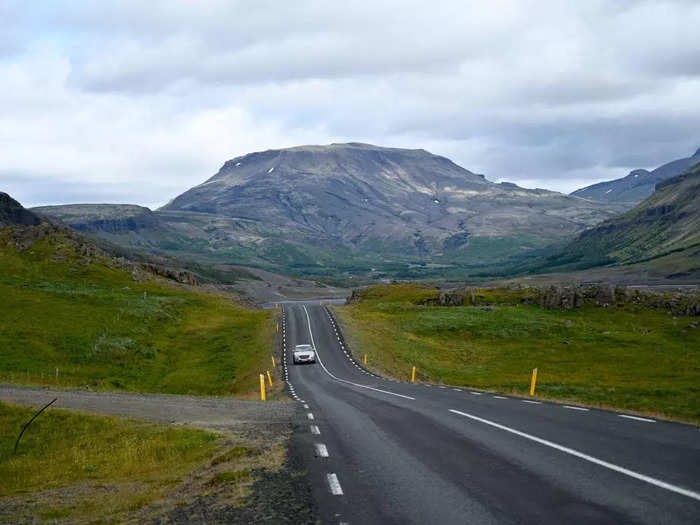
{"x":110,"y":218}
{"x":665,"y":224}
{"x":636,"y":186}
{"x":353,"y":207}
{"x":358,"y":195}
{"x":345,"y":209}
{"x":13,"y":213}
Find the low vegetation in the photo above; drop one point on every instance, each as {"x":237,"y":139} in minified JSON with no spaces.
{"x":76,"y":467}
{"x":624,"y":356}
{"x":70,"y":319}
{"x":64,"y":458}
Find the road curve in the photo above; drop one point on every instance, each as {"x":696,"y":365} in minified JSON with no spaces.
{"x":381,"y":451}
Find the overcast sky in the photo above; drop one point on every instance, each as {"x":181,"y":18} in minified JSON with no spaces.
{"x":136,"y":101}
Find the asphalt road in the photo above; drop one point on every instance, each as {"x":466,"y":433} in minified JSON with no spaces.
{"x":381,"y":451}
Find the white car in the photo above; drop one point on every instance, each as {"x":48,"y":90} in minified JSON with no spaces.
{"x":303,"y":354}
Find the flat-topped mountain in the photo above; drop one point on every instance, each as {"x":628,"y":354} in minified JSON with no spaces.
{"x":359,"y":196}
{"x":345,"y":209}
{"x":638,"y":185}
{"x":110,"y":218}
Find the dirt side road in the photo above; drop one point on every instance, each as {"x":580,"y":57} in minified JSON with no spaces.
{"x":212,"y":413}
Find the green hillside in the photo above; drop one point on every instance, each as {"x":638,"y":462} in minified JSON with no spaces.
{"x":623,"y":356}
{"x":71,"y":315}
{"x":665,"y":223}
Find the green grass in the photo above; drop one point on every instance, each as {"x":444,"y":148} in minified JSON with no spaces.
{"x":100,"y":328}
{"x":66,"y":459}
{"x":631,"y":358}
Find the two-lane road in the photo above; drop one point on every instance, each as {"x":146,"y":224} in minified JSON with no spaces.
{"x":381,"y":451}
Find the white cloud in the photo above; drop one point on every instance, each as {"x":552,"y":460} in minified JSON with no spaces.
{"x":138,"y":101}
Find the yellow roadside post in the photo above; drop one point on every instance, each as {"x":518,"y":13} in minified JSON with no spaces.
{"x":262,"y":388}
{"x":273,"y":361}
{"x":269,"y":377}
{"x":533,"y":382}
{"x":364,"y":359}
{"x":413,"y":374}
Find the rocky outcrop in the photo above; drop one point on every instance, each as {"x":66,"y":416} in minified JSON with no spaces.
{"x":181,"y":276}
{"x":558,"y":297}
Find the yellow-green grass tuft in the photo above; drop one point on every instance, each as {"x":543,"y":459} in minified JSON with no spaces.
{"x":81,"y":454}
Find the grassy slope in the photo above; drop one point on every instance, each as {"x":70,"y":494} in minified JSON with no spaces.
{"x":102,"y":329}
{"x":83,"y":467}
{"x":667,"y":222}
{"x":62,"y":448}
{"x":643,"y":360}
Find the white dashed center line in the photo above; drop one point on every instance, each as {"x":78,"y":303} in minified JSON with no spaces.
{"x":334,"y":485}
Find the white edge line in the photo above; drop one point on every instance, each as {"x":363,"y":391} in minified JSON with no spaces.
{"x":334,"y":485}
{"x":575,"y":408}
{"x":310,"y":416}
{"x":531,"y":402}
{"x":581,"y":455}
{"x":320,"y":361}
{"x":315,"y":430}
{"x":637,"y":418}
{"x":321,"y":450}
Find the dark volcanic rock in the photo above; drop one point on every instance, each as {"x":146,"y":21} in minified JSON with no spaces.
{"x":12,"y":212}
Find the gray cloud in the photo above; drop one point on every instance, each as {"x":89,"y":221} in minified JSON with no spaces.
{"x":126,"y":101}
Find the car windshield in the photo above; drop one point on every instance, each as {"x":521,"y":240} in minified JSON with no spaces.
{"x":303,"y":348}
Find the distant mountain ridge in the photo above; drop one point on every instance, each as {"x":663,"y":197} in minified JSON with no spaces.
{"x":345,"y":209}
{"x":110,"y":218}
{"x":638,"y":185}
